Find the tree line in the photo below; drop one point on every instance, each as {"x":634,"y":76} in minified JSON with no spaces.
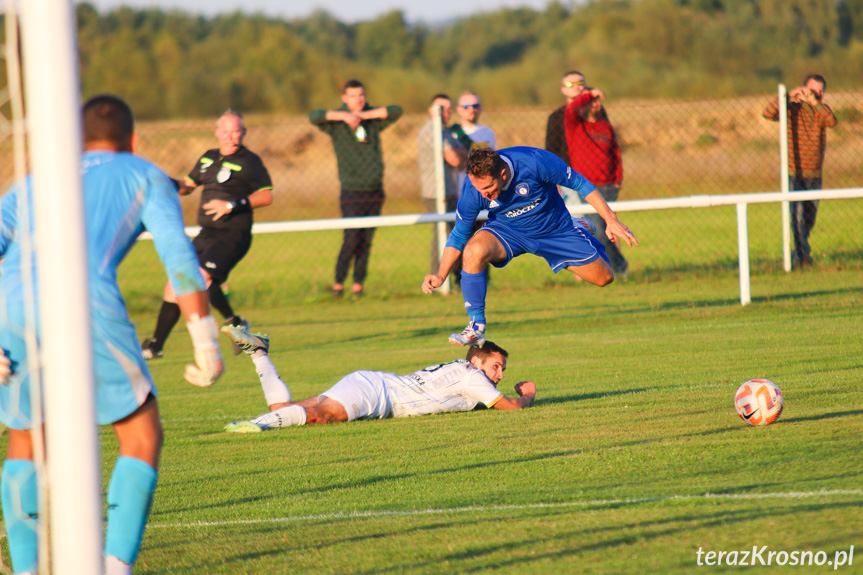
{"x":173,"y":64}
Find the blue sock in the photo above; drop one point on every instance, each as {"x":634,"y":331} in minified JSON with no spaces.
{"x":20,"y":498}
{"x":473,"y":290}
{"x":130,"y":494}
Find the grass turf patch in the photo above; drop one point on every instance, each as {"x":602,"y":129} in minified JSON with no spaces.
{"x":608,"y":472}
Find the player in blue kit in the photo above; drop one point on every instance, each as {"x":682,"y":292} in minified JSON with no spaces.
{"x":526,"y":214}
{"x":122,"y":195}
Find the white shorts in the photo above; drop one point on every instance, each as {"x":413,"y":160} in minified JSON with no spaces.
{"x":363,"y":395}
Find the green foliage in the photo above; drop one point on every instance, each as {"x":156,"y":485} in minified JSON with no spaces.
{"x":171,"y":64}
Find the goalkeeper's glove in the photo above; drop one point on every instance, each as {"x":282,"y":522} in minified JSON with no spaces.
{"x":208,"y":365}
{"x":5,"y":368}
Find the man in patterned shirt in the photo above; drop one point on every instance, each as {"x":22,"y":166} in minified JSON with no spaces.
{"x":459,"y":385}
{"x":808,"y":120}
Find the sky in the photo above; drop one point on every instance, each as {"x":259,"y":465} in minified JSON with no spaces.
{"x":348,"y":11}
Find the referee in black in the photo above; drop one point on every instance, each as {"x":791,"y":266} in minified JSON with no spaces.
{"x":235,"y":183}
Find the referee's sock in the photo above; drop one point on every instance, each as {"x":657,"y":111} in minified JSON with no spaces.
{"x":218,"y":299}
{"x":169,"y":315}
{"x":473,"y":290}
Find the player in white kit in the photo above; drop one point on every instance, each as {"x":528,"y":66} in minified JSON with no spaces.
{"x":459,"y":385}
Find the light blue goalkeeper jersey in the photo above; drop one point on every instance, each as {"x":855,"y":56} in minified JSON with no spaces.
{"x":530,"y":204}
{"x":123,"y":195}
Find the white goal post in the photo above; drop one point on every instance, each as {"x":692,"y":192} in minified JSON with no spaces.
{"x":53,"y":117}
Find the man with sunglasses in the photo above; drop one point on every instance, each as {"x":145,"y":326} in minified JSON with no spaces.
{"x":572,"y":86}
{"x":470,"y":132}
{"x":469,"y":110}
{"x":808,"y":120}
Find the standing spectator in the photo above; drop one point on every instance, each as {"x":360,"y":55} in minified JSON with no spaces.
{"x":122,"y":194}
{"x":235,"y":183}
{"x":595,"y":154}
{"x":470,"y":132}
{"x":555,"y":132}
{"x":469,"y":110}
{"x":356,"y":132}
{"x":454,"y":155}
{"x":808,"y":118}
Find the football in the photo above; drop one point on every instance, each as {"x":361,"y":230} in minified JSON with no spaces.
{"x":759,"y":402}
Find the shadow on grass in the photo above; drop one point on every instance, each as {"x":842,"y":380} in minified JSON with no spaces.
{"x":823,"y":416}
{"x":519,"y":551}
{"x":587,"y":396}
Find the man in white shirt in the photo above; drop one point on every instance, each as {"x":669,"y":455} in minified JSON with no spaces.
{"x":459,"y":385}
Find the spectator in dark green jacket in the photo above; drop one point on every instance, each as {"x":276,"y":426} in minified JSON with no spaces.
{"x":356,"y":132}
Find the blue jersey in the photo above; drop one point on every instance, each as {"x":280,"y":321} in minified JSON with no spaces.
{"x":123,"y":195}
{"x":530,"y":204}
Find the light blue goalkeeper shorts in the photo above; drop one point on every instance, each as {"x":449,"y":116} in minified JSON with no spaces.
{"x":123,"y":380}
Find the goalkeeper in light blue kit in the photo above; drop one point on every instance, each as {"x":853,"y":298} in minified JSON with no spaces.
{"x":122,"y":195}
{"x":518,"y":187}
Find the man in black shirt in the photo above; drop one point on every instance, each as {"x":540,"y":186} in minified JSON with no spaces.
{"x":235,"y":182}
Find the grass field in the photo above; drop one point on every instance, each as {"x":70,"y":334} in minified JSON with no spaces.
{"x":631,"y":459}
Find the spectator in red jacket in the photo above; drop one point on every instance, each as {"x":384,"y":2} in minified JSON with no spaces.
{"x":595,"y":154}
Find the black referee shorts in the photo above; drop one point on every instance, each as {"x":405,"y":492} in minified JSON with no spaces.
{"x":220,"y":250}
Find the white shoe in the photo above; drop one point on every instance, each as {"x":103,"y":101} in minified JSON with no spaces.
{"x":472,"y":336}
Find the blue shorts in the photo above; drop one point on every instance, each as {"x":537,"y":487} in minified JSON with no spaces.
{"x":573,"y":246}
{"x":123,"y":380}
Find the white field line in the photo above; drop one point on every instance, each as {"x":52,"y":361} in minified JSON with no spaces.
{"x":489,"y":508}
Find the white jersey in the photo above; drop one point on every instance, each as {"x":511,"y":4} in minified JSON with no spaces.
{"x":453,"y":386}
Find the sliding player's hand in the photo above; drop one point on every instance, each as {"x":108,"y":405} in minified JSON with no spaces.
{"x":208,"y":365}
{"x":525,"y":388}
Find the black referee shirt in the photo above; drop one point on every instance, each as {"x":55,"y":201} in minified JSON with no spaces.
{"x":229,"y":178}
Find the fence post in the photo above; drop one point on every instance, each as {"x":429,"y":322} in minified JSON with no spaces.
{"x":440,"y":188}
{"x":783,"y":184}
{"x":743,"y":253}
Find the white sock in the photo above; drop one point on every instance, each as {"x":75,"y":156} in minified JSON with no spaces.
{"x":275,"y":390}
{"x":114,"y":566}
{"x":283,"y":417}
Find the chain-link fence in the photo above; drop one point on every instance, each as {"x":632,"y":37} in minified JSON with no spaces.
{"x":669,"y":149}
